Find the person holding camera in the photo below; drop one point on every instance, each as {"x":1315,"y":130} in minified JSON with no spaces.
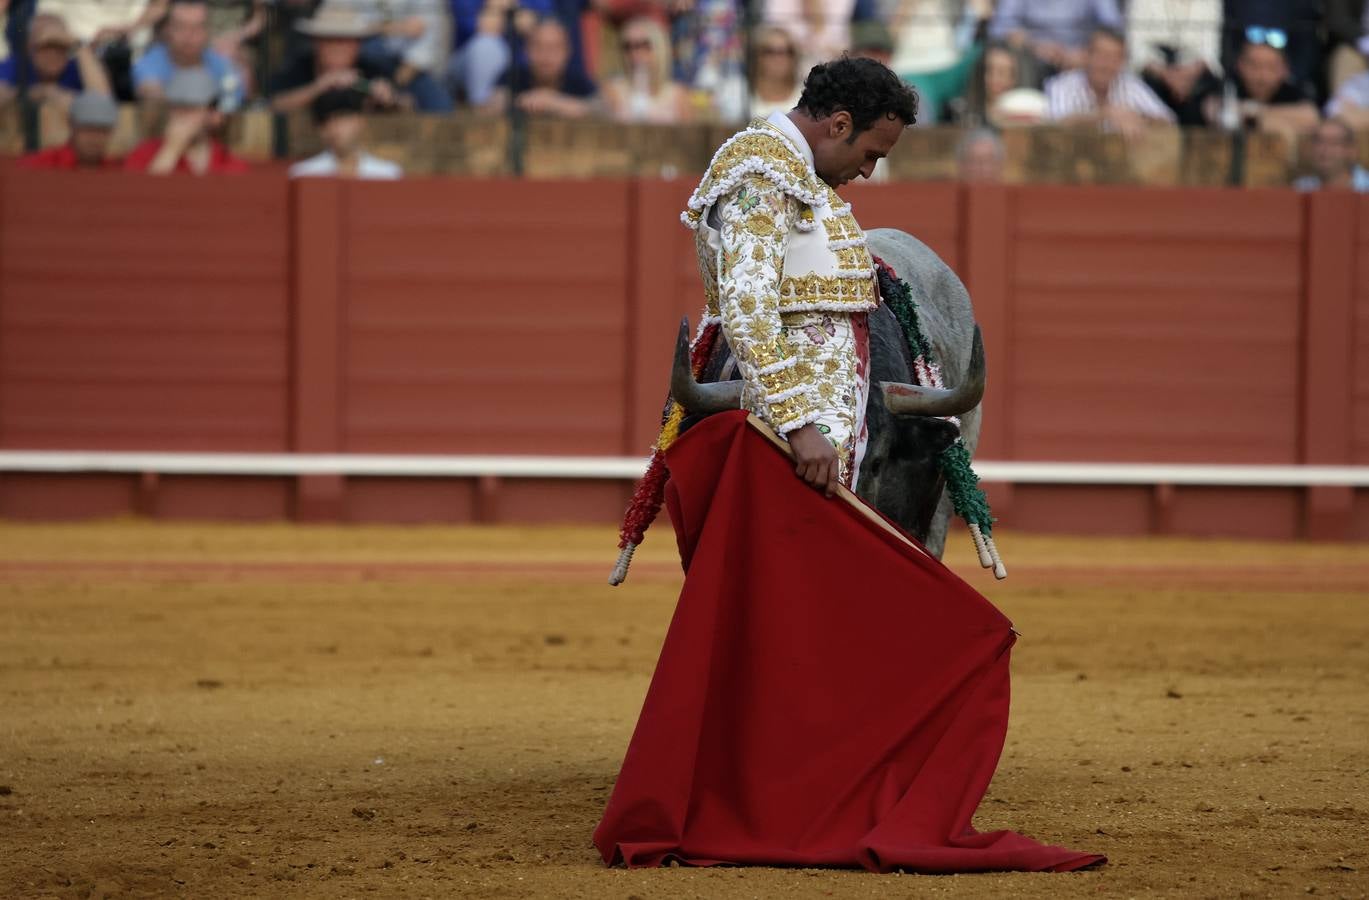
{"x":189,"y":144}
{"x":333,"y":61}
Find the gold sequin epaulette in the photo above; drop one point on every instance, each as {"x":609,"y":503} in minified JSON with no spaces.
{"x":762,"y":150}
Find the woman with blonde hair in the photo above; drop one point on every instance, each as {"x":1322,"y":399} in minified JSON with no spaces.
{"x":776,"y":80}
{"x":645,"y":91}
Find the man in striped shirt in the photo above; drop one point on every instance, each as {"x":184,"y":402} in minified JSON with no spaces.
{"x":1104,"y":91}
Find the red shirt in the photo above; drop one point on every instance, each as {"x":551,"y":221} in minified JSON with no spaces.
{"x":62,"y":157}
{"x":221,"y":162}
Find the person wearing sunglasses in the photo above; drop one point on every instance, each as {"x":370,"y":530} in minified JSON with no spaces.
{"x":645,"y":91}
{"x":1292,"y":27}
{"x":776,"y":80}
{"x":1269,"y":100}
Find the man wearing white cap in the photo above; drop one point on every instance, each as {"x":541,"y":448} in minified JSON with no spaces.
{"x":93,"y":117}
{"x":188,"y":145}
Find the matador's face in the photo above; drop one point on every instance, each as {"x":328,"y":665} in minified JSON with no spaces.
{"x":840,"y":155}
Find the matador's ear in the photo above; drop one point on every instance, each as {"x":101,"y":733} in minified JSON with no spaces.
{"x":840,"y":124}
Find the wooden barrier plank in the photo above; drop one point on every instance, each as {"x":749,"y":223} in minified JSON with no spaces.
{"x":1359,"y":434}
{"x":989,"y":211}
{"x":1138,"y":213}
{"x":1327,"y":354}
{"x":319,"y":298}
{"x":1130,"y":348}
{"x":665,"y":287}
{"x":485,"y":316}
{"x":143,"y":313}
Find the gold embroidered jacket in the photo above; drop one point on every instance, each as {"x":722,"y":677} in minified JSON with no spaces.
{"x":779,"y":246}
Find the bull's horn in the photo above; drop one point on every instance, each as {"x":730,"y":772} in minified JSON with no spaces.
{"x":918,"y":400}
{"x":700,"y":399}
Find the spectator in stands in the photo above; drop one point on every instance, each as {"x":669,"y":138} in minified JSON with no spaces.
{"x":338,"y":115}
{"x":821,"y":29}
{"x":482,"y":53}
{"x":645,"y":91}
{"x":1266,"y":100}
{"x":995,"y":73}
{"x":188,"y":145}
{"x":1351,"y":102}
{"x":333,"y":60}
{"x":708,"y":53}
{"x":546,"y":85}
{"x":1293,"y":27}
{"x":776,"y":79}
{"x":1105,"y":91}
{"x":110,"y":21}
{"x":60,"y":67}
{"x":92,"y":118}
{"x":980,"y":157}
{"x":235,"y":26}
{"x":1054,"y":32}
{"x":872,"y":39}
{"x":111,"y":27}
{"x":1347,"y":27}
{"x":1177,"y":44}
{"x":1333,"y":162}
{"x":936,"y":49}
{"x":185,"y":46}
{"x":411,"y":46}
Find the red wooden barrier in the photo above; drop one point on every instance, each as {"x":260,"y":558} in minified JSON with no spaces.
{"x":502,"y":316}
{"x":1358,"y":372}
{"x":143,"y":313}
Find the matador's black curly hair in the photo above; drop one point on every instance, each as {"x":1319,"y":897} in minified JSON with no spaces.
{"x":864,"y":88}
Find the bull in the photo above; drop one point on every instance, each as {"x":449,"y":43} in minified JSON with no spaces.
{"x":906,"y":422}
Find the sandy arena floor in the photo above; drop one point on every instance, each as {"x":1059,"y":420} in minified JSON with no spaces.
{"x":215,"y":711}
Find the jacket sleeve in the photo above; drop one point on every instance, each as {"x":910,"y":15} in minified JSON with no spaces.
{"x":755,"y":220}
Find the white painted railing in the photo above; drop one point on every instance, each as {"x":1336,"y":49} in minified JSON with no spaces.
{"x":626,"y":467}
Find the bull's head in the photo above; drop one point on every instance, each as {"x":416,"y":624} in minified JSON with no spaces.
{"x":900,"y":399}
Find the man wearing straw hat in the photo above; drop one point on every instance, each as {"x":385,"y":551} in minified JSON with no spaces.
{"x":334,"y":61}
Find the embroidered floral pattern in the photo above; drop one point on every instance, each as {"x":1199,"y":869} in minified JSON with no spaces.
{"x":748,"y":300}
{"x":827,"y":347}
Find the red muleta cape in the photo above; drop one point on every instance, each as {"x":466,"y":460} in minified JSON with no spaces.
{"x":828,"y":693}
